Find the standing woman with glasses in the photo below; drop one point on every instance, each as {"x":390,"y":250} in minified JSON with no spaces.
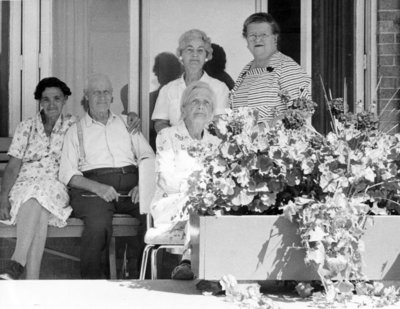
{"x":193,"y":51}
{"x":266,"y":82}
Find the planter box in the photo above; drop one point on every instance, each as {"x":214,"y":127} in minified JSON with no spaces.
{"x":262,"y":248}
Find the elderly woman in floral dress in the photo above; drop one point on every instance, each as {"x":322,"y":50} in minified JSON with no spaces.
{"x":31,"y":194}
{"x":174,"y":164}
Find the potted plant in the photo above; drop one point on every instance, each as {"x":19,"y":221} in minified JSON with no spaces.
{"x":326,"y":187}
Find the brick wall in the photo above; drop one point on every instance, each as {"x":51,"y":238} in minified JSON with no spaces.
{"x":388,"y":33}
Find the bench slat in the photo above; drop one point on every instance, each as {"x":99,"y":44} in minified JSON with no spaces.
{"x":5,"y":143}
{"x":122,"y":226}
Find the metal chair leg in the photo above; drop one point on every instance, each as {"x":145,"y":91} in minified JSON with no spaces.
{"x":145,"y":258}
{"x":154,"y":264}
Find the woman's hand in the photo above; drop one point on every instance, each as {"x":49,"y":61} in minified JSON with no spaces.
{"x":5,"y":208}
{"x":134,"y":123}
{"x":7,"y":182}
{"x":134,"y":193}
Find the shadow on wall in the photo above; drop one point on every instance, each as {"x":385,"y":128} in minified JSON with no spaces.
{"x":216,"y":66}
{"x":167,"y":68}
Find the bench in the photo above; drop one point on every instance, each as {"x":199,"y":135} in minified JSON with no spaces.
{"x":123,"y":225}
{"x":4,"y":145}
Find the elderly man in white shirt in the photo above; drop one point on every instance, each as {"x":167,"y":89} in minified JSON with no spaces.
{"x":99,"y":163}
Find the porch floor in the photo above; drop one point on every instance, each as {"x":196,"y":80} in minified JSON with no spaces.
{"x":105,"y":294}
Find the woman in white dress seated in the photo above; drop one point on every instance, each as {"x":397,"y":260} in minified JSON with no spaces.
{"x":174,"y":164}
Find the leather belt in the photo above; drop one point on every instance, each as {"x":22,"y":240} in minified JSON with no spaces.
{"x":130,"y":169}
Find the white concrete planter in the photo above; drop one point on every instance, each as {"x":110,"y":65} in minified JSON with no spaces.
{"x":262,"y":248}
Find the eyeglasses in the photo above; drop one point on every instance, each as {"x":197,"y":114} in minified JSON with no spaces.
{"x":253,"y":37}
{"x":98,"y":93}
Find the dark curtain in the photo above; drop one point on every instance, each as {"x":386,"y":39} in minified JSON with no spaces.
{"x":4,"y":67}
{"x":287,"y":15}
{"x":332,"y":55}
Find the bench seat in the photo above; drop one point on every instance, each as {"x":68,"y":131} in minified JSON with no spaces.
{"x":123,"y":225}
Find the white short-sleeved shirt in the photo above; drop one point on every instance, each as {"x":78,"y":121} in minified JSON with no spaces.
{"x":109,"y":145}
{"x":168,"y":105}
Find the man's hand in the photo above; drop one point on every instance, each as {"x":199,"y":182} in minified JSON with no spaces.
{"x":106,"y":192}
{"x":134,"y":123}
{"x":5,"y":208}
{"x":134,"y":193}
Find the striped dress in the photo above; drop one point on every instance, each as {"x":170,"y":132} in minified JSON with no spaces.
{"x":261,"y":88}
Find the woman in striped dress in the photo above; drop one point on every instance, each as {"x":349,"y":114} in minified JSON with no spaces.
{"x":272,"y":77}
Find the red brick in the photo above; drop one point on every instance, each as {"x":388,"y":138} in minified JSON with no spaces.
{"x":386,"y":38}
{"x":388,"y":5}
{"x":388,"y":15}
{"x":386,"y":26}
{"x":397,"y":60}
{"x":389,"y":71}
{"x":398,"y":38}
{"x":389,"y":49}
{"x":387,"y":82}
{"x":386,"y":60}
{"x":389,"y":93}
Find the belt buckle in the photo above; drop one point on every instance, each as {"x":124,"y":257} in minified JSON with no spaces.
{"x":124,"y":170}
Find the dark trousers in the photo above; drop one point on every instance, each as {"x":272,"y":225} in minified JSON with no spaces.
{"x":97,"y":216}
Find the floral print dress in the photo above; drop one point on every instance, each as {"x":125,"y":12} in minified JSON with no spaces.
{"x":174,"y":165}
{"x":38,"y":176}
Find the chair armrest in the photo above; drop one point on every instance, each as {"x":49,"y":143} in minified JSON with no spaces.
{"x":147,"y":184}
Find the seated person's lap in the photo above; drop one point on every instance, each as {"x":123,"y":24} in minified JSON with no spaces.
{"x":86,"y":203}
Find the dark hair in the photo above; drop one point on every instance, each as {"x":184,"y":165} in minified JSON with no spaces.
{"x":50,"y":82}
{"x":218,"y":61}
{"x":261,"y":18}
{"x":167,"y":67}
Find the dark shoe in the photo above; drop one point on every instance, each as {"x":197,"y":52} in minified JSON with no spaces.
{"x":213,"y":287}
{"x":12,"y":272}
{"x":182,"y":272}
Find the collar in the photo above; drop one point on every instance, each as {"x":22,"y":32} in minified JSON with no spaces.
{"x":204,"y":78}
{"x":273,"y":62}
{"x":184,"y":131}
{"x":89,"y":121}
{"x":40,"y":126}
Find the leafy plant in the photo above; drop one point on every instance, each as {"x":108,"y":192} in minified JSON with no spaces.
{"x":328,"y":184}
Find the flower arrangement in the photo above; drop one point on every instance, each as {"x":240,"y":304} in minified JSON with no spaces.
{"x":327,"y":184}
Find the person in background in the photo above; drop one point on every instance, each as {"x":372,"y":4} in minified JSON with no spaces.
{"x":167,"y":68}
{"x":174,"y":164}
{"x":194,"y":50}
{"x":31,"y":195}
{"x":271,"y":78}
{"x":99,"y":163}
{"x":216,"y":66}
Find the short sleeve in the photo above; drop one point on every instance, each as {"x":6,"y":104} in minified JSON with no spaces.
{"x":222,"y":95}
{"x":295,"y":80}
{"x":20,"y":140}
{"x":161,"y":107}
{"x":164,"y":155}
